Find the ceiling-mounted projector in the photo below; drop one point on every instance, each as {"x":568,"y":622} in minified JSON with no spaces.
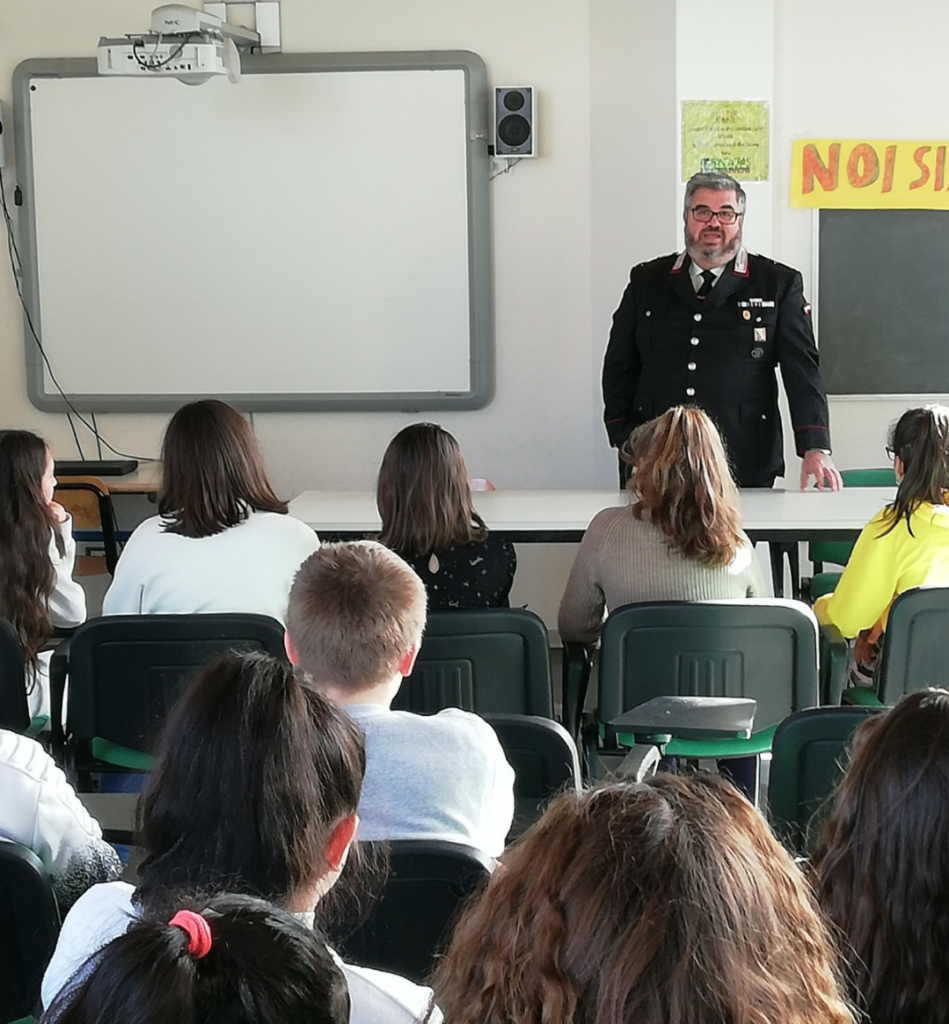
{"x":183,"y":43}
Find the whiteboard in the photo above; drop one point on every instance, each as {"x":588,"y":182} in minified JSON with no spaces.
{"x":315,"y":236}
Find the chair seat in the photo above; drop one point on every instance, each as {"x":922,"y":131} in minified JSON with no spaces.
{"x":861,"y":696}
{"x":755,"y":744}
{"x":115,"y":755}
{"x":823,"y":583}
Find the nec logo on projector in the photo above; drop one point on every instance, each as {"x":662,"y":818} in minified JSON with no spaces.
{"x":515,"y":123}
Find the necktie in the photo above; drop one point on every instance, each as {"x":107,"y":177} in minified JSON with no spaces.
{"x":708,"y":279}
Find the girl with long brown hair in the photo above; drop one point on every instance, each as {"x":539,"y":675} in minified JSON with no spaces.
{"x":680,"y":539}
{"x":904,"y":545}
{"x":37,"y":553}
{"x":665,"y":902}
{"x":223,"y":541}
{"x":424,"y":500}
{"x":881,"y":867}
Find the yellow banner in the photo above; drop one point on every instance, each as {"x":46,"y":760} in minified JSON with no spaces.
{"x":869,"y":174}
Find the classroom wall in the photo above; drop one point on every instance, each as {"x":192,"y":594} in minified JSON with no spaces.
{"x":856,"y":68}
{"x":567,"y":226}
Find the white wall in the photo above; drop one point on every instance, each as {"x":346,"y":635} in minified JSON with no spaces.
{"x":567,"y":226}
{"x":544,"y":427}
{"x":854,"y":68}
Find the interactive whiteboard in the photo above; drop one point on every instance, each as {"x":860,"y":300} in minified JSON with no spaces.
{"x":314,"y":237}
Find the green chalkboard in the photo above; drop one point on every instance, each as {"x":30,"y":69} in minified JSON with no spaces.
{"x":883,"y":302}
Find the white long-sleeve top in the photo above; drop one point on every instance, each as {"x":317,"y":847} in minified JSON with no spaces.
{"x":40,"y":810}
{"x":245,"y":568}
{"x":67,"y":608}
{"x":106,"y":911}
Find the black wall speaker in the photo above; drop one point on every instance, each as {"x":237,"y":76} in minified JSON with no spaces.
{"x":515,"y":123}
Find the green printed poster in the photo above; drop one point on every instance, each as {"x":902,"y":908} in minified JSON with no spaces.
{"x":725,"y":135}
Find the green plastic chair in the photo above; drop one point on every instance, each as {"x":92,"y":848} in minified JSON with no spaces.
{"x":486,"y":660}
{"x":29,"y":926}
{"x":758,"y":648}
{"x":838,"y":552}
{"x":807,"y":760}
{"x":914,"y":654}
{"x":545,"y":762}
{"x":125,"y":673}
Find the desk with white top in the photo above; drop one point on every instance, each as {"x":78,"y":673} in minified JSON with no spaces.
{"x":561,"y":516}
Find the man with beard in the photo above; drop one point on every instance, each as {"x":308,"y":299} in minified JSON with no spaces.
{"x":708,"y":327}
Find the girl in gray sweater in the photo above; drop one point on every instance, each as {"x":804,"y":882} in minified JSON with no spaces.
{"x":680,"y":538}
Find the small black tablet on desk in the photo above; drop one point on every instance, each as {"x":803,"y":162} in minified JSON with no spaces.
{"x":95,"y":467}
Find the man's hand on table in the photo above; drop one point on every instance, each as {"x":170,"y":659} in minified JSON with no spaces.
{"x":821,"y":466}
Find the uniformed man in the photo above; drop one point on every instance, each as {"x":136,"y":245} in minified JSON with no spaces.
{"x":708,"y":327}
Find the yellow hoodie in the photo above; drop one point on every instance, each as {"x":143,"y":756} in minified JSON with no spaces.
{"x":881,"y":567}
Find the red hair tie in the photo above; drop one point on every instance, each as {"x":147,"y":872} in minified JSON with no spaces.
{"x":197,"y":929}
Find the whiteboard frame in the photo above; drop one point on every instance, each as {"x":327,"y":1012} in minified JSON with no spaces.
{"x":480,"y":285}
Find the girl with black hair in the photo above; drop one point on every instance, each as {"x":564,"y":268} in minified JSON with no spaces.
{"x":904,"y":545}
{"x":881,"y":866}
{"x":37,"y":552}
{"x":254,"y":790}
{"x":232,"y":958}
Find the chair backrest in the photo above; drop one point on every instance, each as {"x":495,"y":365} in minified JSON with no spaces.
{"x":87,"y":500}
{"x":765,"y":649}
{"x":915,"y":654}
{"x":429,"y":883}
{"x":486,"y":660}
{"x":838,"y":551}
{"x":29,"y":925}
{"x":14,"y":709}
{"x":126,"y":671}
{"x":807,"y":760}
{"x":545,"y":761}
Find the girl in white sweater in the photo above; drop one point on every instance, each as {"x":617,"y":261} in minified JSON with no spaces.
{"x":223,"y":541}
{"x":37,"y":552}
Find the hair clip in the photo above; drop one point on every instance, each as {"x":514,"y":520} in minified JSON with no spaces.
{"x":197,"y":929}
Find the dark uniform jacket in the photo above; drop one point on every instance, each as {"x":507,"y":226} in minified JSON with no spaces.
{"x":669,"y":347}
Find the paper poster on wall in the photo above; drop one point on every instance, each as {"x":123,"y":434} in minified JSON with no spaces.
{"x":725,"y":135}
{"x":869,"y":174}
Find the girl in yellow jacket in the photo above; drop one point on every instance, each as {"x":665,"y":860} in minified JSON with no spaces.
{"x":905,"y":544}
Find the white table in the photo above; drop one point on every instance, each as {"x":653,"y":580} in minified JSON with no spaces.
{"x":546,"y":516}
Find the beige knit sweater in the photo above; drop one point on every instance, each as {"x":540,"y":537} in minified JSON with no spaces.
{"x":623,"y":559}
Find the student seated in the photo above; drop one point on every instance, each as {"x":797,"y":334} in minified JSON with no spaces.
{"x":227,"y":958}
{"x":881,"y":866}
{"x":40,"y":810}
{"x":904,"y":545}
{"x":37,"y":553}
{"x":665,"y":902}
{"x":223,"y":541}
{"x":254,"y":791}
{"x":354,"y":626}
{"x":679,"y":539}
{"x":424,"y":500}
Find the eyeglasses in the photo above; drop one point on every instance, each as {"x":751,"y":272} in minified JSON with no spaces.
{"x":891,"y":453}
{"x":703,"y":214}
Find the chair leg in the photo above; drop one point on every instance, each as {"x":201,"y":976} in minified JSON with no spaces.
{"x":776,"y":552}
{"x":575,"y":678}
{"x":640,"y":763}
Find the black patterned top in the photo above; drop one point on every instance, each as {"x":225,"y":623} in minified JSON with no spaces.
{"x":476,"y":575}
